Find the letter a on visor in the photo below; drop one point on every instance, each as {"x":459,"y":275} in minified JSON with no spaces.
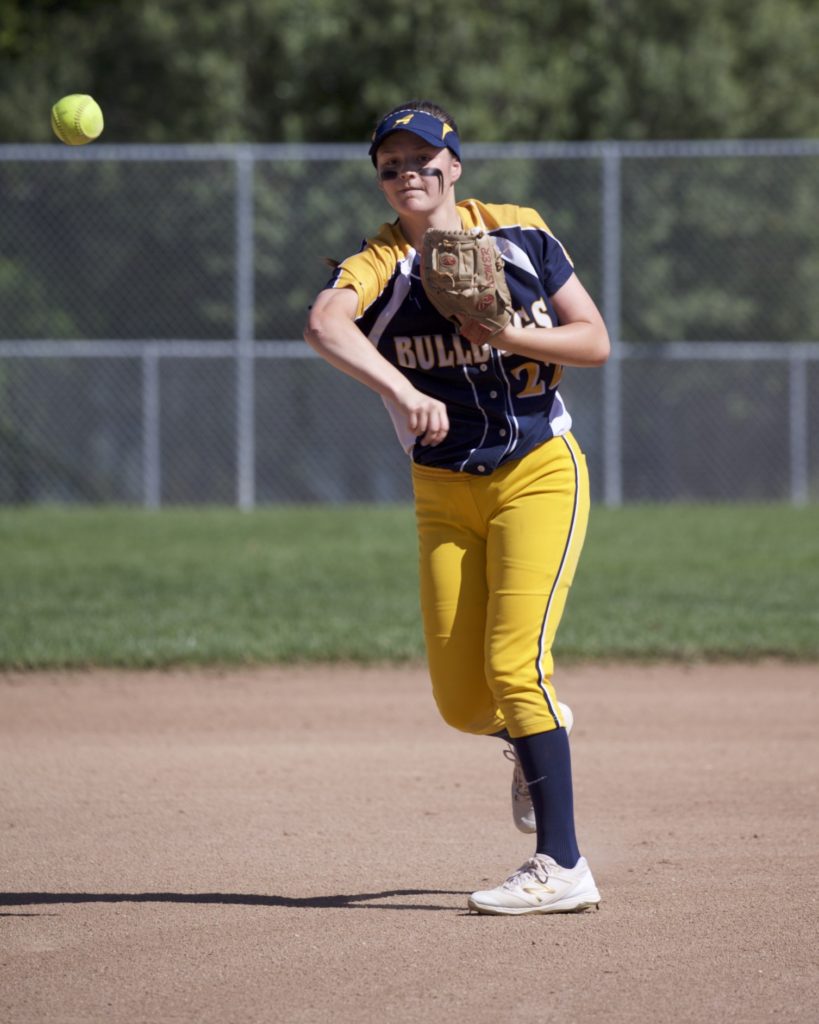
{"x":424,"y":125}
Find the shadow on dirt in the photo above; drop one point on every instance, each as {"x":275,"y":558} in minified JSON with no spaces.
{"x":355,"y":900}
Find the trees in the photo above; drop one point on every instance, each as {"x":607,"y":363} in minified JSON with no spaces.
{"x":120,"y":248}
{"x":319,"y":70}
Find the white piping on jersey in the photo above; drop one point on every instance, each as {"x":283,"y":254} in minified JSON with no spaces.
{"x":514,"y":254}
{"x":511,"y":419}
{"x":477,"y":400}
{"x":485,"y":420}
{"x":511,"y":253}
{"x":559,"y":418}
{"x":504,"y":244}
{"x":555,"y":583}
{"x":400,"y":291}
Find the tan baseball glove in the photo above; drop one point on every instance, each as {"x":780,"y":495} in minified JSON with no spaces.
{"x":462,"y":274}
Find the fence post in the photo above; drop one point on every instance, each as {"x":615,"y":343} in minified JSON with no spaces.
{"x":245,"y":332}
{"x":151,"y":444}
{"x":798,"y":404}
{"x":612,"y":291}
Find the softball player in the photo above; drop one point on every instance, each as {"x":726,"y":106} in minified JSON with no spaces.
{"x":500,"y":484}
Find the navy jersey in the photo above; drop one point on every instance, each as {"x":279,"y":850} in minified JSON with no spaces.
{"x":500,"y":405}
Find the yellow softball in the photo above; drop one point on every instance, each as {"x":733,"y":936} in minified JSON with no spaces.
{"x":76,"y":119}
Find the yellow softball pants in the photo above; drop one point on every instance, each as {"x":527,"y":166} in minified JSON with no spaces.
{"x":497,"y":557}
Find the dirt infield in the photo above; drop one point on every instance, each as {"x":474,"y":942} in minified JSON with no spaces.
{"x":296,"y":845}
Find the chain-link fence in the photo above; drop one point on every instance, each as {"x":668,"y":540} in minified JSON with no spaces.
{"x":153,"y":301}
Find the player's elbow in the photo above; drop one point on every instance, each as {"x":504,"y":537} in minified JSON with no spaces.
{"x":316,"y":330}
{"x":309,"y":334}
{"x":600,"y":346}
{"x":329,"y":318}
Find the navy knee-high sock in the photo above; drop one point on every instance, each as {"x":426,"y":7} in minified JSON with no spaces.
{"x":547,"y":766}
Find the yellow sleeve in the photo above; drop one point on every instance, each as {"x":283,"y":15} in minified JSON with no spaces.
{"x":369,"y":272}
{"x":494,"y":216}
{"x":491,"y":216}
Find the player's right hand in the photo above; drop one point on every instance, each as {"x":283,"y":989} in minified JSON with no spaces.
{"x":426,"y":417}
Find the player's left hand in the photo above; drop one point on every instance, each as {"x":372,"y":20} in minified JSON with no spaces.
{"x":463,"y":276}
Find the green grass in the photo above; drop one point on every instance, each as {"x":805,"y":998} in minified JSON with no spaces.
{"x":120,"y":586}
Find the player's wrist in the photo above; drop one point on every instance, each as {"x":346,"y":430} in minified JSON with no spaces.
{"x":398,"y":389}
{"x":507,"y":337}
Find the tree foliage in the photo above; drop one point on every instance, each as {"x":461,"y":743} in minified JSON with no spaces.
{"x":320,"y":70}
{"x":118,"y":248}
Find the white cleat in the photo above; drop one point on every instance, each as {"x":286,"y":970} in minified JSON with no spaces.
{"x":540,"y":886}
{"x":522,"y":811}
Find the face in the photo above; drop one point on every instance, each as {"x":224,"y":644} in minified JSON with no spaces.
{"x":414,"y":175}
